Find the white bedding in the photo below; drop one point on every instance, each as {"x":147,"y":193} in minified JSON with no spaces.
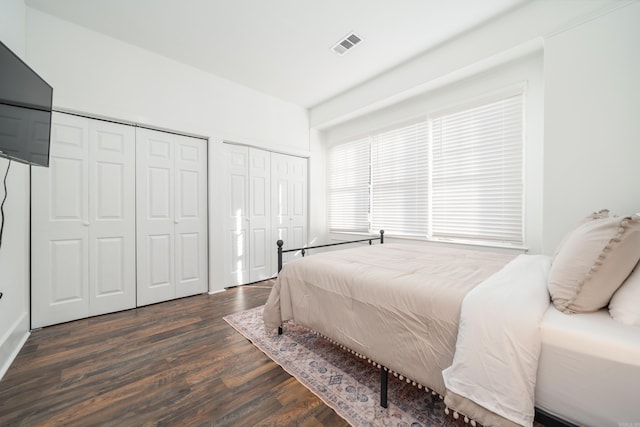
{"x":498,"y":345}
{"x":589,"y":370}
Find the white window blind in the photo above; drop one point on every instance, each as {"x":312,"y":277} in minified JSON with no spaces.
{"x":348,"y":191}
{"x":476,"y":182}
{"x":399,"y":181}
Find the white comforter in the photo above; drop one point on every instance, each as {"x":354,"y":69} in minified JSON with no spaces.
{"x":498,"y":345}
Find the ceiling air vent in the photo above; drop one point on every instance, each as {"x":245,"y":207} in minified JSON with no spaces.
{"x":344,"y":45}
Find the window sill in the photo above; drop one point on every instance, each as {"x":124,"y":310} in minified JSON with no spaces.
{"x":486,"y":245}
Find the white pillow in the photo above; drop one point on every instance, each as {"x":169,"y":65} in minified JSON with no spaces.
{"x":625,"y":303}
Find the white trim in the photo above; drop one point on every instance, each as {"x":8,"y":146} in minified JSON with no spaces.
{"x":126,"y":122}
{"x":293,"y":153}
{"x":12,"y":342}
{"x":345,"y":236}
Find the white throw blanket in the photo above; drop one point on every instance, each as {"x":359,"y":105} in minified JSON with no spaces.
{"x":498,"y":344}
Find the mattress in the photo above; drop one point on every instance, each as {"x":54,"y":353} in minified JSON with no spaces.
{"x":589,"y":369}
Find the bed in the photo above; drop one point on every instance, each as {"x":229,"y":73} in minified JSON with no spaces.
{"x":589,"y":369}
{"x":475,"y":327}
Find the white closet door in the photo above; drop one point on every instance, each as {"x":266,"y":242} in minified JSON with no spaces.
{"x":261,"y":246}
{"x":171,"y":188}
{"x":112,"y":281}
{"x":280,"y":205}
{"x":155,"y":195}
{"x":60,"y":226}
{"x":191,"y":215}
{"x":289,"y":195}
{"x":298,"y":200}
{"x":236,"y":217}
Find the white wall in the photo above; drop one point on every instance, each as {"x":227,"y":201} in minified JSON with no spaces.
{"x":99,"y":75}
{"x":14,"y":253}
{"x":592,"y":121}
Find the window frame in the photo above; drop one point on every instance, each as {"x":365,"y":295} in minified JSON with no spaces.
{"x":494,"y":96}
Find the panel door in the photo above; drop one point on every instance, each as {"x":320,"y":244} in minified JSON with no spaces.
{"x":191,"y":215}
{"x":112,"y":272}
{"x":289,"y":201}
{"x":261,"y":245}
{"x":236,"y":217}
{"x":60,"y":226}
{"x":155,"y":213}
{"x":280,"y":218}
{"x":298,"y":200}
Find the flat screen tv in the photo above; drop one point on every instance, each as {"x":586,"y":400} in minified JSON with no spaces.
{"x":25,"y":111}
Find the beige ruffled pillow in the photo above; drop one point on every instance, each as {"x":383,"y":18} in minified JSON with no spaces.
{"x":596,"y":215}
{"x":592,"y":262}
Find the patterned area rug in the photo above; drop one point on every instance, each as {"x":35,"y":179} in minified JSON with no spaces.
{"x":348,"y":384}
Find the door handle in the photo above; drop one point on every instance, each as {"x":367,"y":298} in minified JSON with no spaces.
{"x":85,"y":223}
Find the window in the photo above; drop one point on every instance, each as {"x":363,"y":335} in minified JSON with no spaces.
{"x":476,"y":177}
{"x":456,"y":176}
{"x":399,"y":181}
{"x":349,"y":186}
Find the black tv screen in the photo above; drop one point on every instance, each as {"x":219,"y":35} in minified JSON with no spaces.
{"x":25,"y":111}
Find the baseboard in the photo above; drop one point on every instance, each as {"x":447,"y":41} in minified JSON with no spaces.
{"x":217,"y":291}
{"x":12,"y":342}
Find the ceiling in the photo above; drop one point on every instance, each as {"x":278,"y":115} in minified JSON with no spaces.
{"x":282,"y":47}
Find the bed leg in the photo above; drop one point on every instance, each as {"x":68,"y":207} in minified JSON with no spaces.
{"x":279,"y":330}
{"x":384,"y":377}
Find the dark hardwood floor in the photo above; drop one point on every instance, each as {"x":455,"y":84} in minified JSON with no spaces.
{"x":174,"y":363}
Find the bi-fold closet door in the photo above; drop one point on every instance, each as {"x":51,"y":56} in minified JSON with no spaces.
{"x":118,"y":220}
{"x":289,"y":206}
{"x":172,"y":216}
{"x":266,"y":200}
{"x":83,"y":222}
{"x":247,"y":215}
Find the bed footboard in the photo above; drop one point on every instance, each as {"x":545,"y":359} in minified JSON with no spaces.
{"x":304,"y":250}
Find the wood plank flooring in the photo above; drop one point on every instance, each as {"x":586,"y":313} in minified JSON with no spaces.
{"x":174,"y":363}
